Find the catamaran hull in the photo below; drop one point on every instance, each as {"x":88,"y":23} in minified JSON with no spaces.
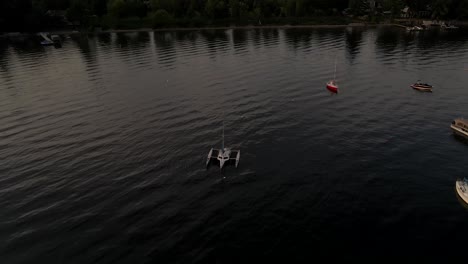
{"x":221,"y":163}
{"x":462,"y":190}
{"x":223,"y":157}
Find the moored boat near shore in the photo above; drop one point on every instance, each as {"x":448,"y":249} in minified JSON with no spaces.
{"x":462,"y":189}
{"x":460,"y":127}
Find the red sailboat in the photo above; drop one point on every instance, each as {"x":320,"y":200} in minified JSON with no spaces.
{"x":332,"y":86}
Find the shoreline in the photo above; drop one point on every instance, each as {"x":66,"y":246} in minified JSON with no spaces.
{"x":248,"y":27}
{"x":231,"y":27}
{"x":13,"y":34}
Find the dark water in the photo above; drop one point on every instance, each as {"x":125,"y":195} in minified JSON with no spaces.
{"x":103,"y":144}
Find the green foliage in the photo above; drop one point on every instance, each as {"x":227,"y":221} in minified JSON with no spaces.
{"x":462,"y":9}
{"x":234,"y":8}
{"x":216,"y":9}
{"x":300,"y":8}
{"x":198,"y":21}
{"x":359,"y":7}
{"x":440,"y":8}
{"x":100,"y":7}
{"x":291,"y":8}
{"x":395,"y":6}
{"x":18,"y":15}
{"x":79,"y":11}
{"x":161,"y":18}
{"x":117,"y":8}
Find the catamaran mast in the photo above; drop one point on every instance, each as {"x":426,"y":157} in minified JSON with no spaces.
{"x":224,"y":104}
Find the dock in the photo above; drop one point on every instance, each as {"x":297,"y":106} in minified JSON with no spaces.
{"x":398,"y":25}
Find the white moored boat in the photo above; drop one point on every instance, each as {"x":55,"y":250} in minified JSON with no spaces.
{"x":460,"y":127}
{"x":462,"y":189}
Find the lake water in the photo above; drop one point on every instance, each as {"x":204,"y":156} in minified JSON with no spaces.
{"x":103,"y":144}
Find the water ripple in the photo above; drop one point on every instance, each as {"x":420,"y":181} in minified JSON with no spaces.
{"x":103,"y":142}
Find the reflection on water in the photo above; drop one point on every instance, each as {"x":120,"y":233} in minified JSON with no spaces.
{"x":104,"y":39}
{"x":387,"y":40}
{"x":216,"y":41}
{"x":165,"y":48}
{"x":353,"y":41}
{"x":3,"y":54}
{"x":298,"y":37}
{"x":239,"y":38}
{"x":460,"y":139}
{"x":87,"y":46}
{"x":103,"y":144}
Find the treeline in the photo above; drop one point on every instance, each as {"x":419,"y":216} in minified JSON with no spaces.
{"x":437,"y":9}
{"x":24,"y":15}
{"x":20,"y":15}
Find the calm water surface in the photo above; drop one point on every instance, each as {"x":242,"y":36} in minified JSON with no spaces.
{"x":103,"y":144}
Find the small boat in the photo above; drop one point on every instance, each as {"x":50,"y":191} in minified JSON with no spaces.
{"x":415,"y":28}
{"x":223,"y":155}
{"x":47,"y":43}
{"x":422,"y":86}
{"x":460,"y":127}
{"x":46,"y":40}
{"x":462,"y":189}
{"x":332,"y":86}
{"x":56,"y":38}
{"x":57,"y":41}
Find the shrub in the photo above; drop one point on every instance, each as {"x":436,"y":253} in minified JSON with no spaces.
{"x":161,"y":18}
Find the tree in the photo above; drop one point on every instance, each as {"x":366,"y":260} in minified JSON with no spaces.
{"x":116,"y":8}
{"x":195,"y":7}
{"x":78,"y":11}
{"x":418,"y":5}
{"x":155,"y":5}
{"x":162,"y":18}
{"x":100,"y":7}
{"x":234,"y":6}
{"x":300,"y":8}
{"x":135,"y":8}
{"x":395,"y":6}
{"x":270,"y":8}
{"x":210,"y":8}
{"x":462,"y":9}
{"x":216,"y":9}
{"x":440,"y":8}
{"x":291,"y":7}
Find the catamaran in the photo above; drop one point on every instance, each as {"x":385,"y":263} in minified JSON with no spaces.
{"x":223,"y":154}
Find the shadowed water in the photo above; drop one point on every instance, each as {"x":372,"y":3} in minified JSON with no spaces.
{"x":103,"y":144}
